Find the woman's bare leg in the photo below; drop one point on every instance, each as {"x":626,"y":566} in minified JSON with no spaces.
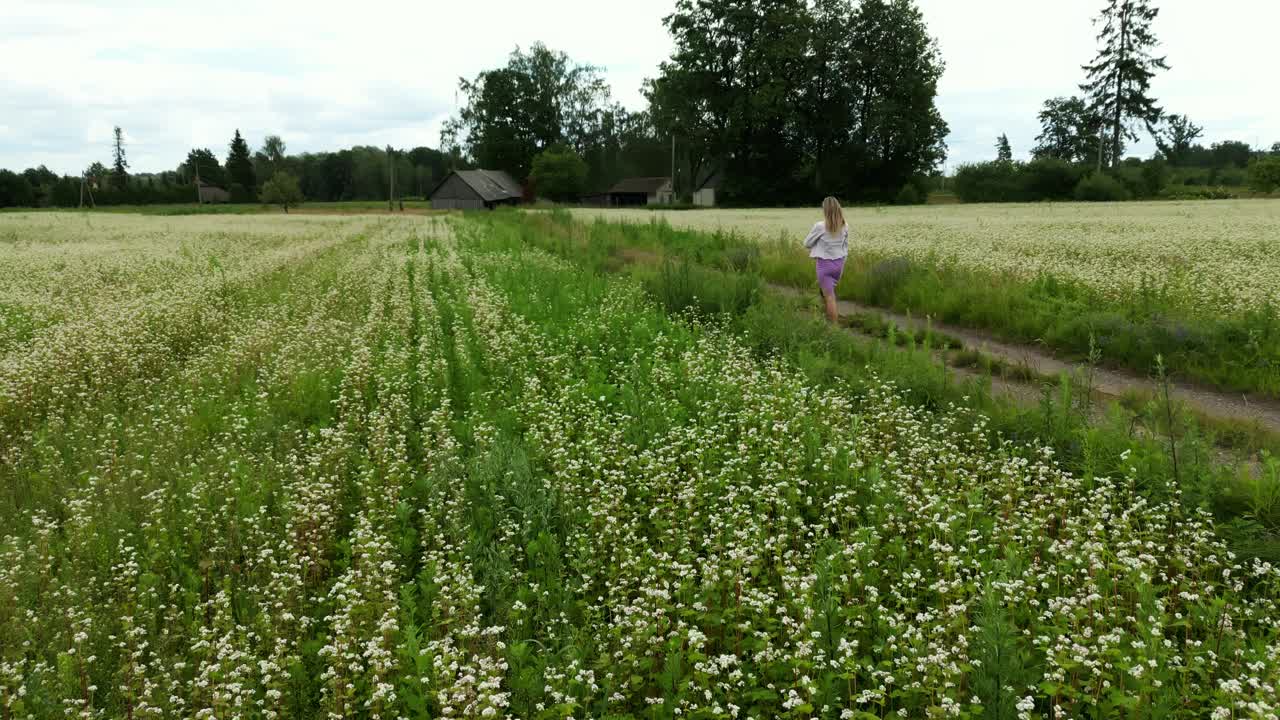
{"x":830,"y":297}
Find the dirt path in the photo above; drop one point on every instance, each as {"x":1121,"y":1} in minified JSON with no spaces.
{"x":1106,"y":382}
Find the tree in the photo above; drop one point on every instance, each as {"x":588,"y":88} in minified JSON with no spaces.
{"x":43,"y":182}
{"x":15,"y":190}
{"x":559,"y":173}
{"x":119,"y":169}
{"x":1004,"y":152}
{"x":274,"y":148}
{"x":96,"y":174}
{"x":1174,"y":140}
{"x":1264,"y":174}
{"x":202,"y":163}
{"x":1275,"y":148}
{"x":864,"y":77}
{"x":270,"y":158}
{"x":282,"y":189}
{"x":1231,"y":153}
{"x":898,"y":129}
{"x":1068,"y":131}
{"x":1119,"y":78}
{"x":538,"y":99}
{"x":244,"y":181}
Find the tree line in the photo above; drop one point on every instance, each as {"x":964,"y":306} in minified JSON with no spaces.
{"x":1080,"y":151}
{"x":358,"y":173}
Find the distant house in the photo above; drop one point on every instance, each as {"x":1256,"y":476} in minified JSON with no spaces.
{"x":475,"y":189}
{"x":211,"y":193}
{"x":640,"y":191}
{"x":705,"y":194}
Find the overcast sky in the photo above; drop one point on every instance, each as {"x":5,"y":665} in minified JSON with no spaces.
{"x":178,"y":74}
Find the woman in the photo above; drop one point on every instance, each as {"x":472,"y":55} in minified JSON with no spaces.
{"x":828,"y":244}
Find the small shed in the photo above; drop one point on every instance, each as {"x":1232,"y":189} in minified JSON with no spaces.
{"x":705,"y":194}
{"x":211,"y":193}
{"x":641,"y":191}
{"x":475,"y":189}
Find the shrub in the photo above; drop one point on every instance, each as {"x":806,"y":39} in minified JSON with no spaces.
{"x":1205,"y":192}
{"x":1130,"y":178}
{"x":282,"y":189}
{"x":1100,"y":187}
{"x":1050,"y":179}
{"x":989,"y":182}
{"x":1264,"y":174}
{"x":239,"y":193}
{"x":559,"y":174}
{"x":908,"y":195}
{"x":1232,"y":177}
{"x":1155,"y":176}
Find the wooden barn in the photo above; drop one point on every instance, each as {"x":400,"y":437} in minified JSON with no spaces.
{"x":211,"y":193}
{"x":475,"y":189}
{"x":641,"y":191}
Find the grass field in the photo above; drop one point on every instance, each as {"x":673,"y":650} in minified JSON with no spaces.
{"x":384,"y":467}
{"x":1196,"y":283}
{"x":344,"y":207}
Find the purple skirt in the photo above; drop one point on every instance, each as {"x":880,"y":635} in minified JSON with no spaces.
{"x":829,"y":272}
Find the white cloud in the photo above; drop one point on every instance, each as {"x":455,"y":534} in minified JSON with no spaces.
{"x":181,"y":74}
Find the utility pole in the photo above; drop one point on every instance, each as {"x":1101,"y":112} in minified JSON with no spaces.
{"x":83,"y":184}
{"x":391,"y":180}
{"x":196,"y":166}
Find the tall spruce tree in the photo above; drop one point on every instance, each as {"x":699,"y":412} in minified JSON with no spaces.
{"x":120,"y":166}
{"x":1004,"y":151}
{"x":240,"y":170}
{"x":1119,"y":78}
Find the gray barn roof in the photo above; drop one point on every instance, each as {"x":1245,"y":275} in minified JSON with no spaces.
{"x":646,"y":185}
{"x":491,"y":185}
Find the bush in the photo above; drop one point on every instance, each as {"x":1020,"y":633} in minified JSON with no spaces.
{"x":1101,"y":187}
{"x":1232,"y":177}
{"x":989,"y":182}
{"x":1264,"y":174}
{"x":1130,"y":178}
{"x":1155,"y":177}
{"x":282,"y":189}
{"x":908,"y":195}
{"x":1050,"y":179}
{"x":559,"y":174}
{"x":239,"y":193}
{"x":1201,"y":192}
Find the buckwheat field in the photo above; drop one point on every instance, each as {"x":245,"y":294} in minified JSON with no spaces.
{"x":1217,"y":257}
{"x":280,"y":466}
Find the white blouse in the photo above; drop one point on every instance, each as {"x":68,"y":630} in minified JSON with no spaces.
{"x":824,"y":245}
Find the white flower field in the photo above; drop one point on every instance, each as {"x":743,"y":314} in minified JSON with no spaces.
{"x":288,"y":466}
{"x":1222,"y":256}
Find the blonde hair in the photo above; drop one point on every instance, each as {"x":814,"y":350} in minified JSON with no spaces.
{"x":833,"y":214}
